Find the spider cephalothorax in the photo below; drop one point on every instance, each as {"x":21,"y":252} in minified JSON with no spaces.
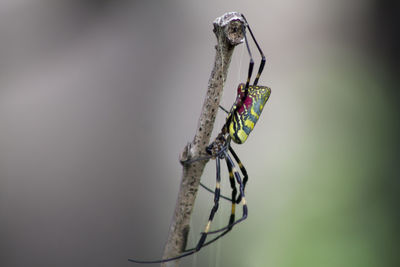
{"x":218,"y":146}
{"x":241,"y":119}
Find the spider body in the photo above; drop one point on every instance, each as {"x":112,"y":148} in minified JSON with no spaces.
{"x":247,"y":110}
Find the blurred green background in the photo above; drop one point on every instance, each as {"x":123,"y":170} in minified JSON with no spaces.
{"x":98,"y":98}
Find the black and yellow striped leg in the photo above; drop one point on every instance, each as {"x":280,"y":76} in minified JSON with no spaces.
{"x":259,"y":49}
{"x":215,"y":207}
{"x":242,"y":168}
{"x":241,"y":193}
{"x":251,"y":64}
{"x":234,"y":192}
{"x":259,"y":70}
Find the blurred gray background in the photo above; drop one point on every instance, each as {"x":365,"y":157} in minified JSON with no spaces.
{"x":98,"y":98}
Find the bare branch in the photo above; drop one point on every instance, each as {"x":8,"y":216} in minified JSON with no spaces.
{"x":229,"y":32}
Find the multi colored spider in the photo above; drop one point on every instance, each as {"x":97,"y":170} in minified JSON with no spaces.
{"x":242,"y":117}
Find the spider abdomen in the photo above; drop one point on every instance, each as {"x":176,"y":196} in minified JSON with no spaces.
{"x":246,"y":115}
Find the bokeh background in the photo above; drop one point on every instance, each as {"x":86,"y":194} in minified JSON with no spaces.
{"x":98,"y":98}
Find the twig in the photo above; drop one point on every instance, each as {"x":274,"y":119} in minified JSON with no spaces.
{"x":229,"y":32}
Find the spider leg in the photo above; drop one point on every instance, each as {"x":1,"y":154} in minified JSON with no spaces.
{"x":221,"y":107}
{"x":259,"y":49}
{"x":242,"y":168}
{"x":241,"y":190}
{"x":234,"y":192}
{"x":251,"y":64}
{"x":211,"y":241}
{"x":215,"y":207}
{"x":165,"y":260}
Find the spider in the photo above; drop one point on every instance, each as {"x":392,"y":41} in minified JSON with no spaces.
{"x":241,"y":119}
